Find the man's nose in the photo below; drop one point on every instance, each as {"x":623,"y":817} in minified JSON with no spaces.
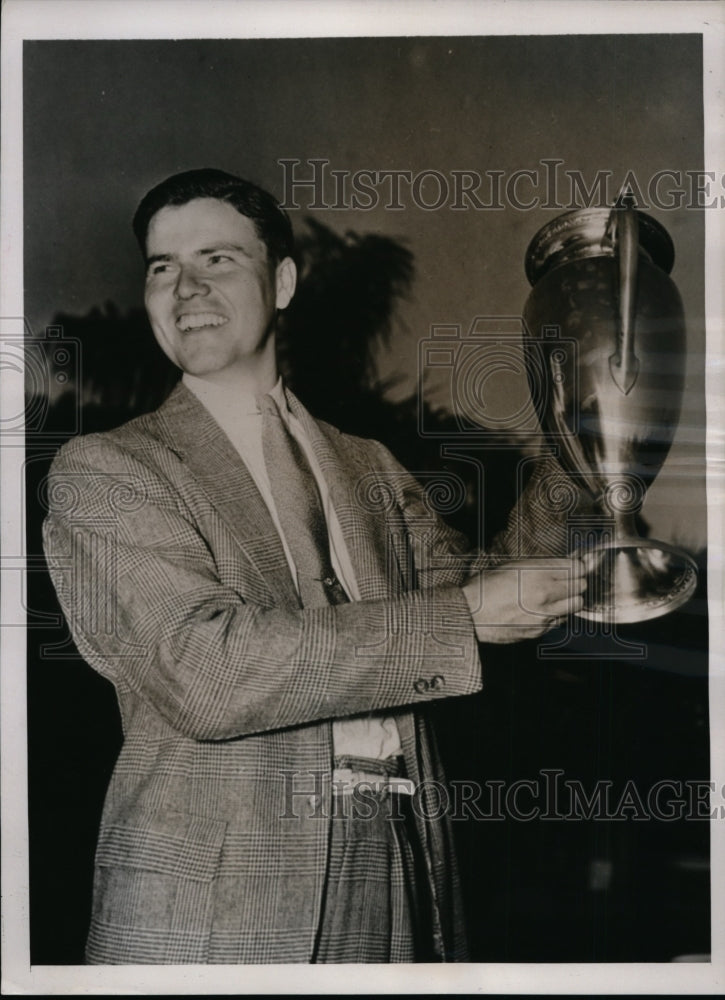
{"x":189,"y":283}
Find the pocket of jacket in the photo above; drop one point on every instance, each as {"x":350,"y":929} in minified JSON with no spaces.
{"x":153,"y":892}
{"x":165,"y":841}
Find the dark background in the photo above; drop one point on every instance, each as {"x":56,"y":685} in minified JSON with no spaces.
{"x":104,"y":121}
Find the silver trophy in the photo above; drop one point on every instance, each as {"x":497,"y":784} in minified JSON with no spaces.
{"x":609,"y":402}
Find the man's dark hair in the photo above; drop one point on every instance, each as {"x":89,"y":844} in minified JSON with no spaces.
{"x":270,"y":221}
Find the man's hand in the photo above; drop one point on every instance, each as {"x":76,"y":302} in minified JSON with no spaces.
{"x":524,"y":598}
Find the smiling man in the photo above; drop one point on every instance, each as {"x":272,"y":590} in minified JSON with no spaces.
{"x":212,"y":293}
{"x":280,"y":609}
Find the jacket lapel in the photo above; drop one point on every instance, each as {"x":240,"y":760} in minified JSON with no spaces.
{"x":188,"y":429}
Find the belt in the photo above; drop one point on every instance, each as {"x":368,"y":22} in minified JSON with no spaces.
{"x":380,"y":776}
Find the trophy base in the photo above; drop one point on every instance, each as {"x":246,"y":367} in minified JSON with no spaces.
{"x":634,"y":579}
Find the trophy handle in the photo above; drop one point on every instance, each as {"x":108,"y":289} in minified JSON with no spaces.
{"x":624,"y":226}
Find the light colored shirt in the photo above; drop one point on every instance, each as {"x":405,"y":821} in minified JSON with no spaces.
{"x":238,"y":415}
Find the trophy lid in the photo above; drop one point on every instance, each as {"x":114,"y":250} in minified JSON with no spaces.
{"x":587,"y":233}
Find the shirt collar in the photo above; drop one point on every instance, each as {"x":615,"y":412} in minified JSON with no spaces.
{"x":227,"y":403}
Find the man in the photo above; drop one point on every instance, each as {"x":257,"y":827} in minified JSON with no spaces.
{"x":268,"y":672}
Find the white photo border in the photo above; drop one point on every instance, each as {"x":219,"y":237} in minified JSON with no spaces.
{"x":135,"y":19}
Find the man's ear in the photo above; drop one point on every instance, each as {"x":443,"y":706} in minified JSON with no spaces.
{"x":286,"y":278}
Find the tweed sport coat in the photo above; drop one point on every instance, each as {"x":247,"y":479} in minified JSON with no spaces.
{"x":213,"y":841}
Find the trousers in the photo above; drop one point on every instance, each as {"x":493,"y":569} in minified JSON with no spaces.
{"x":376,"y":906}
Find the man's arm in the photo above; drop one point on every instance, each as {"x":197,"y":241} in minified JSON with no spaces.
{"x":149,"y":609}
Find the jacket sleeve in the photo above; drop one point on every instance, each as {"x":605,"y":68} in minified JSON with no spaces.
{"x":147,"y":608}
{"x":436,"y":553}
{"x":538,"y":524}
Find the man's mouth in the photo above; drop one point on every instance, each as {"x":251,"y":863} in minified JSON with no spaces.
{"x":195,"y":321}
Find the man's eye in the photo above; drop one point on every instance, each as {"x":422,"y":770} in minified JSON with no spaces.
{"x":218,"y":258}
{"x":158,"y":269}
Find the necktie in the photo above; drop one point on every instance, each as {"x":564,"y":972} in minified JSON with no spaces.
{"x":299,"y":508}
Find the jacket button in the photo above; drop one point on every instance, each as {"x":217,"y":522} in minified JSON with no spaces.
{"x":421,"y":685}
{"x":437,"y":682}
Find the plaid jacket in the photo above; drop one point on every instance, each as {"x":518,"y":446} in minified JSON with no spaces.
{"x":213,"y":842}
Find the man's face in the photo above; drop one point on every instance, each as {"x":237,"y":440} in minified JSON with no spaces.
{"x":211,"y":292}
